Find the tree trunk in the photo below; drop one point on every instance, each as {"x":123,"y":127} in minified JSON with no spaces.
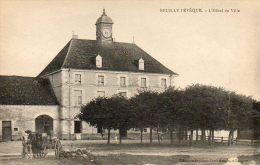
{"x":180,"y":135}
{"x":171,"y":136}
{"x":108,"y":136}
{"x":158,"y":136}
{"x":151,"y":135}
{"x":212,"y":136}
{"x":186,"y":134}
{"x":238,"y":133}
{"x":191,"y":137}
{"x":197,"y":136}
{"x":203,"y":138}
{"x":142,"y":135}
{"x":230,"y":137}
{"x":209,"y":137}
{"x":120,"y":136}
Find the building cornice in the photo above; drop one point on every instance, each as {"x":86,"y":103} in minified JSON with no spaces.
{"x":5,"y":105}
{"x":117,"y":72}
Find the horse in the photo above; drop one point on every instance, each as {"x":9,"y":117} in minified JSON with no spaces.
{"x":36,"y":143}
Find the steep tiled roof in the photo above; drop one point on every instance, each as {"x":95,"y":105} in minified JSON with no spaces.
{"x":16,"y":90}
{"x":58,"y":61}
{"x":116,"y":56}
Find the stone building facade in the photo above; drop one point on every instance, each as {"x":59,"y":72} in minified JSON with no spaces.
{"x":86,"y":69}
{"x":27,"y":103}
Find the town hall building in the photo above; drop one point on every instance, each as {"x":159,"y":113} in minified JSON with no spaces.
{"x":81,"y":71}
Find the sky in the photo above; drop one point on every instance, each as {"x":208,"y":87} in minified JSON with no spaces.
{"x":212,"y":48}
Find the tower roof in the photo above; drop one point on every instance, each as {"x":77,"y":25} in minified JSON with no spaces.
{"x":104,"y":18}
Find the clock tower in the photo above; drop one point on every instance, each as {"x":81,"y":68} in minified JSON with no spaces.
{"x":104,"y":28}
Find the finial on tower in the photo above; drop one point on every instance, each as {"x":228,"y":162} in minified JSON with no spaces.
{"x":104,"y":12}
{"x":133,"y":39}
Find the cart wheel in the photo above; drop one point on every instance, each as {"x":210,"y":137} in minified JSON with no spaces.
{"x":57,"y":148}
{"x":43,"y":152}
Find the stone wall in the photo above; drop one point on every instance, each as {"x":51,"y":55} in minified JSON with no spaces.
{"x":23,"y":117}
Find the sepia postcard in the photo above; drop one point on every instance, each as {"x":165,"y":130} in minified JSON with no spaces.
{"x":130,"y":82}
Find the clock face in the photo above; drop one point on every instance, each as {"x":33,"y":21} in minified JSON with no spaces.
{"x":106,"y":33}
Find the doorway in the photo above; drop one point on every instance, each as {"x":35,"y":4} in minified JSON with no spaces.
{"x":44,"y":124}
{"x":7,"y":130}
{"x":77,"y":126}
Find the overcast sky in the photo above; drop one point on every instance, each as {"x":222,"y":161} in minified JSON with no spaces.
{"x":220,"y":49}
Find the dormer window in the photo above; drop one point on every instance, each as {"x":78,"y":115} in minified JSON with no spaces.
{"x":99,"y":61}
{"x":141,"y":64}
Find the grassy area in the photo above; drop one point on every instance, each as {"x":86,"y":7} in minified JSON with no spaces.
{"x":164,"y":149}
{"x":125,"y":159}
{"x":132,"y":152}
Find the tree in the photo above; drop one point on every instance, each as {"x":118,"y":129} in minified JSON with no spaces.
{"x":170,"y":103}
{"x":145,"y":106}
{"x":121,"y":113}
{"x":107,"y":113}
{"x":238,"y":114}
{"x":94,"y":113}
{"x":256,"y":119}
{"x":203,"y":109}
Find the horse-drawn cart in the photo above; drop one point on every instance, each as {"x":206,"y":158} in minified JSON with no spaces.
{"x":39,"y":144}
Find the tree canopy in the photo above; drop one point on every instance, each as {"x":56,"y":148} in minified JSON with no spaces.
{"x":197,"y":107}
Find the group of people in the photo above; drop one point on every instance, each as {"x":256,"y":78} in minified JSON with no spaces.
{"x":32,"y":145}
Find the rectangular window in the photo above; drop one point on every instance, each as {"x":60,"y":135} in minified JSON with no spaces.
{"x":101,"y":93}
{"x":101,"y":80}
{"x":77,"y":126}
{"x":123,"y":94}
{"x":122,"y":81}
{"x":78,"y":97}
{"x":163,"y":83}
{"x":78,"y":78}
{"x":143,"y":83}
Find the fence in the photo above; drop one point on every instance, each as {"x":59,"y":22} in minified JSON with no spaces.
{"x":222,"y":140}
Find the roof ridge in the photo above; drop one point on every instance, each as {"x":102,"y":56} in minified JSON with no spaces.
{"x":17,"y":76}
{"x":67,"y":54}
{"x":114,"y":42}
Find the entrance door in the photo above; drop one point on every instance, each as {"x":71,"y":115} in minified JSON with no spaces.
{"x":6,"y":130}
{"x":44,"y":124}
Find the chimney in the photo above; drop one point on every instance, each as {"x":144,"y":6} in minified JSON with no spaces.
{"x":74,"y":36}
